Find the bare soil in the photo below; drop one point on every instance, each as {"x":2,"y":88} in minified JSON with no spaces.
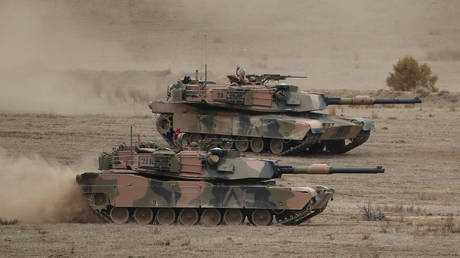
{"x":62,"y":62}
{"x":418,"y":193}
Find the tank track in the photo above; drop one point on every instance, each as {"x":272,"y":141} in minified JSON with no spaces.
{"x":309,"y":141}
{"x":297,"y":217}
{"x":168,"y":136}
{"x":306,"y":145}
{"x":102,"y":214}
{"x":362,"y":137}
{"x":289,"y":218}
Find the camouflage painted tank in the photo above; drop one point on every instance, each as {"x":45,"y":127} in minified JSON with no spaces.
{"x":260,"y":116}
{"x":155,"y":185}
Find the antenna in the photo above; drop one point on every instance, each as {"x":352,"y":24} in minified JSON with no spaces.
{"x":204,"y":54}
{"x":205,"y":48}
{"x":205,"y":74}
{"x":131,"y":148}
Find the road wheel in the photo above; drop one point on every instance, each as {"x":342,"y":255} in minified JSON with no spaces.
{"x":228,"y":144}
{"x":210,"y":217}
{"x":257,"y":145}
{"x":119,"y":215}
{"x":233,"y":217}
{"x":196,"y":137}
{"x":143,"y":215}
{"x":276,"y":146}
{"x":166,"y":216}
{"x":242,"y":144}
{"x":261,"y":217}
{"x":188,"y":217}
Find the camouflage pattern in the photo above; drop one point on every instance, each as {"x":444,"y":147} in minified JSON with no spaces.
{"x":277,"y":118}
{"x":296,"y":133}
{"x":142,"y":183}
{"x":133,"y":190}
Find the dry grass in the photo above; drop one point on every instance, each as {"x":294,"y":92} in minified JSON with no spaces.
{"x":186,"y":243}
{"x":443,"y":226}
{"x":404,"y":209}
{"x":162,"y":243}
{"x":371,"y":213}
{"x":422,"y":226}
{"x":449,"y":226}
{"x":365,"y":235}
{"x":428,"y":196}
{"x":385,"y":228}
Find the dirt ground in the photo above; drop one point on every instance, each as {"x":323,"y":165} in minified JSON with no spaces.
{"x":418,"y":193}
{"x":74,"y":75}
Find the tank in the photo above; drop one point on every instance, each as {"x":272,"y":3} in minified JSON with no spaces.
{"x":146,"y":184}
{"x":259,"y":114}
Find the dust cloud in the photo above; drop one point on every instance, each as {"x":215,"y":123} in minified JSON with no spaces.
{"x":58,"y":58}
{"x":39,"y":191}
{"x":112,"y":57}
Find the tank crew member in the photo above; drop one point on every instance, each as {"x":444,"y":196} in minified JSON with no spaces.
{"x":240,"y":74}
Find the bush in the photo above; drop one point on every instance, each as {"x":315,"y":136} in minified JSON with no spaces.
{"x":408,"y":75}
{"x":371,"y":213}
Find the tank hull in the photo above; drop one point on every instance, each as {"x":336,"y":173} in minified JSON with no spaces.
{"x":108,"y":192}
{"x":261,"y":132}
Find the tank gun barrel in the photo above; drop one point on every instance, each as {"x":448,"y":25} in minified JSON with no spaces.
{"x":278,"y":77}
{"x":368,"y":100}
{"x":325,"y":169}
{"x":263,"y":78}
{"x":398,"y":101}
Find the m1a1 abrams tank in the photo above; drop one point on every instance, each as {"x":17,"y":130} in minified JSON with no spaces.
{"x":259,"y":115}
{"x":149,"y":185}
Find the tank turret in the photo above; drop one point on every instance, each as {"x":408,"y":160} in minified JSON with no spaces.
{"x":256,"y":96}
{"x":215,"y":165}
{"x":157,"y":185}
